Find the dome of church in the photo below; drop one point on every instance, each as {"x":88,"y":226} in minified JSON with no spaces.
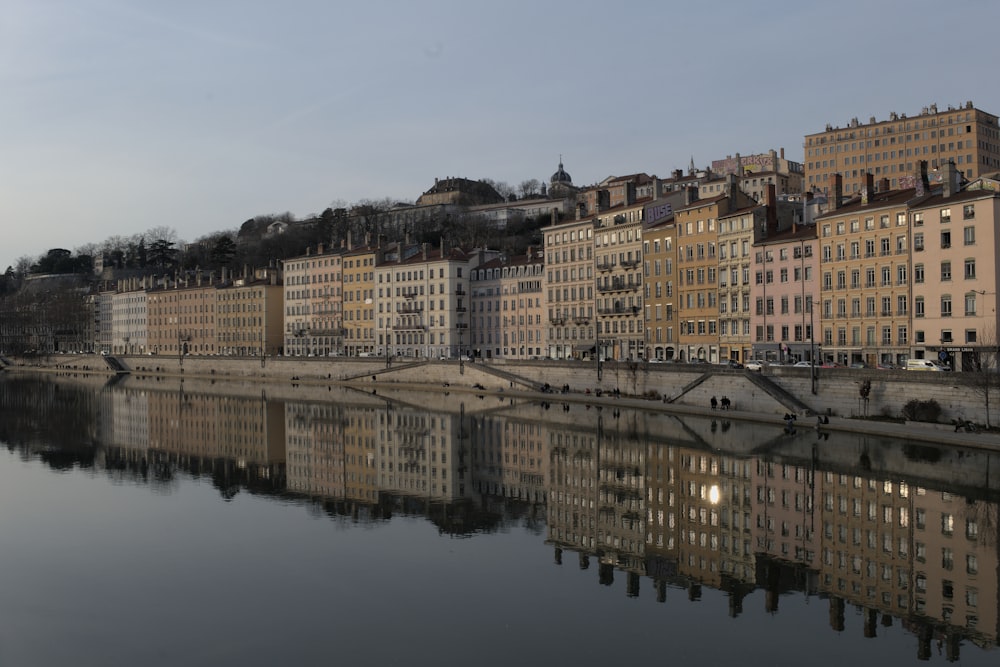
{"x":561,"y":176}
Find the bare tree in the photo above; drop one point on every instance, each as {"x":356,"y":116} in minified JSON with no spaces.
{"x":529,"y":188}
{"x":984,"y":376}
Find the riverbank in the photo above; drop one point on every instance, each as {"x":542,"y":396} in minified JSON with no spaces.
{"x":661,"y":388}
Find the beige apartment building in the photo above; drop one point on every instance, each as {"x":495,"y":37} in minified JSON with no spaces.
{"x":181,"y":316}
{"x":698,"y":266}
{"x":423,"y":297}
{"x":508,"y":310}
{"x":956,"y":274}
{"x":892,"y":148}
{"x":313,"y":323}
{"x":621,"y":313}
{"x":738,"y":231}
{"x":250,"y":315}
{"x":865,"y":282}
{"x":569,"y":273}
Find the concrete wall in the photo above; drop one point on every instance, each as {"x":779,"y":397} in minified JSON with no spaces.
{"x":837,"y":389}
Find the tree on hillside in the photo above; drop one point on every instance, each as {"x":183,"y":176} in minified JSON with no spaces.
{"x":162,"y":253}
{"x":530,"y":188}
{"x":223,"y":251}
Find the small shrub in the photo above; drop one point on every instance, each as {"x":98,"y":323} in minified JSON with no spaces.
{"x":922,"y":411}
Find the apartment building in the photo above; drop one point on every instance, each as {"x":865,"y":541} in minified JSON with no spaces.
{"x":129,"y":306}
{"x":508,"y":310}
{"x":314,"y":324}
{"x":250,"y":314}
{"x":358,"y":272}
{"x":698,"y":266}
{"x":787,"y":264}
{"x":181,"y":316}
{"x":423,"y":300}
{"x":892,"y":148}
{"x":737,"y":235}
{"x":865,"y":290}
{"x":659,"y":251}
{"x":621,"y":313}
{"x":955,"y":273}
{"x":569,"y":274}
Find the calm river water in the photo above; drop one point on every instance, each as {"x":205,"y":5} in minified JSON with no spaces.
{"x":152,"y":522}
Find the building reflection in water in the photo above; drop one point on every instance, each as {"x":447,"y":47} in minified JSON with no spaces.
{"x":900,"y":533}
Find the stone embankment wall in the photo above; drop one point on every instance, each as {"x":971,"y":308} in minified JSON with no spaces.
{"x":837,"y":390}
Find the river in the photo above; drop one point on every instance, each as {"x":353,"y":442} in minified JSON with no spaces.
{"x":158,"y":523}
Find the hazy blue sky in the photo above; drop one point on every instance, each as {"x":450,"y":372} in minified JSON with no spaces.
{"x":119,"y":116}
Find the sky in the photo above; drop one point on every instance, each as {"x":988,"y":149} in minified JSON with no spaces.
{"x":122,"y":116}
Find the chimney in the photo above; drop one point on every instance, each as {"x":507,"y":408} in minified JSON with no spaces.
{"x":350,"y":242}
{"x":690,"y":195}
{"x":678,"y":174}
{"x":423,"y":250}
{"x":319,"y":249}
{"x":837,"y":186}
{"x":782,"y":153}
{"x":629,"y":193}
{"x":656,"y":188}
{"x":950,"y":179}
{"x":869,"y":189}
{"x":923,"y":185}
{"x":883,"y":185}
{"x":731,"y":191}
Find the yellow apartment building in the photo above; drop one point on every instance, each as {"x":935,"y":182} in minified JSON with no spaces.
{"x":359,"y":300}
{"x":660,"y":287}
{"x":621,"y":312}
{"x":698,"y":267}
{"x":865,"y":282}
{"x":892,"y":148}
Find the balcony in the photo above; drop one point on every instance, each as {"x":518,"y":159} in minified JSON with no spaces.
{"x":629,"y":263}
{"x":605,"y":266}
{"x":461,"y":309}
{"x":581,"y":321}
{"x":409,"y":327}
{"x":619,"y":310}
{"x":460,"y":291}
{"x":557,"y":320}
{"x":618,"y":286}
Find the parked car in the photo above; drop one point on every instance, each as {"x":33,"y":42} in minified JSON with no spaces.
{"x":802,"y":364}
{"x":831,"y":364}
{"x":732,"y":363}
{"x":755,"y":365}
{"x":860,"y":364}
{"x":924,"y":365}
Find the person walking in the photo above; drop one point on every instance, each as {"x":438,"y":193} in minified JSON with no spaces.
{"x":714,"y":403}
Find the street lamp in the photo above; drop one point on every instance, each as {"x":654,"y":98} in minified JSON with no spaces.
{"x":388,"y":361}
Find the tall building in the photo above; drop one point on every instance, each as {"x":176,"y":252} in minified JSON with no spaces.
{"x":314,"y":317}
{"x":569,"y":273}
{"x":955,"y":274}
{"x":892,"y":148}
{"x":865,"y":292}
{"x":698,"y":266}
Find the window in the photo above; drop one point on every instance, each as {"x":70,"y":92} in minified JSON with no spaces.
{"x":945,"y":271}
{"x":946,"y":238}
{"x":918,"y":306}
{"x":945,"y":215}
{"x":918,"y":242}
{"x":969,"y":235}
{"x":918,"y":273}
{"x":918,"y":219}
{"x":946,"y":306}
{"x":970,"y":269}
{"x":969,"y":212}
